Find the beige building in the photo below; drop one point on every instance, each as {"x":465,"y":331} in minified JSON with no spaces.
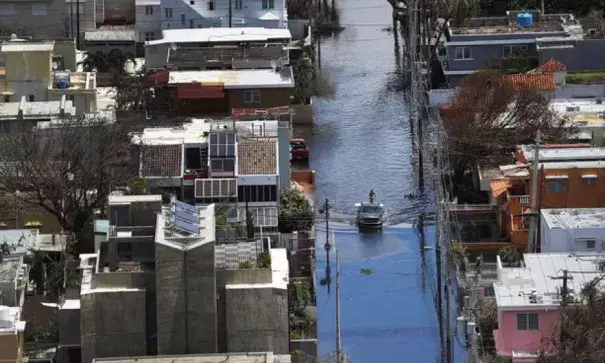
{"x":30,"y":72}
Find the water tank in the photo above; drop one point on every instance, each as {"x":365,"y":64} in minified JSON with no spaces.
{"x":61,"y":80}
{"x":525,"y":20}
{"x":130,"y":67}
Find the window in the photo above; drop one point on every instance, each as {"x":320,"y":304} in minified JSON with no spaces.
{"x":238,"y":4}
{"x":191,"y":2}
{"x":222,"y":145}
{"x":183,"y":19}
{"x":252,"y":96}
{"x":191,"y":24}
{"x":558,"y":185}
{"x":7,"y":9}
{"x":149,"y":36}
{"x":268,"y":4}
{"x":193,"y":160}
{"x":257,"y":193}
{"x":39,"y":9}
{"x":222,"y":165}
{"x":527,"y":321}
{"x":7,"y":98}
{"x":168,"y":12}
{"x":461,"y":53}
{"x":526,"y":222}
{"x":211,"y":5}
{"x":70,"y":98}
{"x":589,"y":179}
{"x":508,"y":50}
{"x":148,"y":10}
{"x":591,"y":243}
{"x":31,"y":98}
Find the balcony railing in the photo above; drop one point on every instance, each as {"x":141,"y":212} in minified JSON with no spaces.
{"x":521,"y":199}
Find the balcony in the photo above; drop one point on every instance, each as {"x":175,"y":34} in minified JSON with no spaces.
{"x":84,"y":81}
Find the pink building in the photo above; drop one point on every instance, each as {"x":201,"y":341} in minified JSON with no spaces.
{"x":529,"y":299}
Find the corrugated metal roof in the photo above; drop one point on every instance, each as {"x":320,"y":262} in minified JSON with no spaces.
{"x":534,"y":82}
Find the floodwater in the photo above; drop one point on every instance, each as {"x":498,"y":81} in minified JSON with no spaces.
{"x":362,"y":141}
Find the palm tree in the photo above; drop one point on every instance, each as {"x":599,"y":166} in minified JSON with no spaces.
{"x":112,"y":62}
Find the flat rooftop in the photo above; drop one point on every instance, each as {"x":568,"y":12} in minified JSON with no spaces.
{"x":105,"y":35}
{"x":127,"y":199}
{"x":9,"y":269}
{"x":236,"y":79}
{"x":14,"y":324}
{"x":574,"y":218}
{"x":542,"y":23}
{"x":280,"y":272}
{"x":564,"y":154}
{"x":260,"y":357}
{"x":24,"y":46}
{"x":221,"y":35}
{"x":32,"y":110}
{"x":538,"y":283}
{"x":23,"y":240}
{"x":189,"y":133}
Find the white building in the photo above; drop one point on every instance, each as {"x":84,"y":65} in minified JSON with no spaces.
{"x":178,"y":14}
{"x":148,"y":20}
{"x":572,"y":230}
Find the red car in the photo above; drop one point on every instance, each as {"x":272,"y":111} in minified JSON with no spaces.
{"x":299,"y":149}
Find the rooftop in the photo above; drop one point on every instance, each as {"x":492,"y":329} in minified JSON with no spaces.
{"x":127,"y":199}
{"x":552,"y":65}
{"x":237,"y":79}
{"x":542,"y":23}
{"x":189,"y":133}
{"x":25,"y":239}
{"x":537,"y":82}
{"x":104,"y":35}
{"x":574,"y":218}
{"x":221,"y":35}
{"x":161,"y":161}
{"x":564,"y":154}
{"x":175,"y":226}
{"x":9,"y":269}
{"x":257,"y":156}
{"x":24,"y":46}
{"x":34,"y":110}
{"x":13,"y":321}
{"x":280,"y":272}
{"x":537,"y":284}
{"x":202,"y":358}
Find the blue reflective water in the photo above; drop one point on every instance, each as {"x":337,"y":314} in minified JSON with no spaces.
{"x":389,"y":315}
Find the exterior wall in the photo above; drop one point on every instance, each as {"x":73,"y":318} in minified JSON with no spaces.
{"x":17,"y":14}
{"x":9,"y":344}
{"x":203,"y":18}
{"x":28,"y":73}
{"x":269,"y":97}
{"x":509,"y":339}
{"x":256,"y":180}
{"x":120,"y":9}
{"x":254,"y":327}
{"x":584,"y":56}
{"x":560,"y":240}
{"x":580,"y":91}
{"x":69,"y":327}
{"x":148,"y":23}
{"x":299,"y":28}
{"x":480,"y":54}
{"x":113,"y":324}
{"x":156,"y":56}
{"x":578,"y":195}
{"x":126,"y":47}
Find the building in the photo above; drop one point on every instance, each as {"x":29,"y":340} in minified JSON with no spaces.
{"x":529,"y":300}
{"x":109,"y":37}
{"x":148,"y":24}
{"x":478,"y":41}
{"x":204,"y":358}
{"x":217,"y":48}
{"x":13,"y":283}
{"x":24,"y":241}
{"x":159,"y":284}
{"x":572,"y":230}
{"x":30,"y":72}
{"x":212,"y":14}
{"x":22,"y":113}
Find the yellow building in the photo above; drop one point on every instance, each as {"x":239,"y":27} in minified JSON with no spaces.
{"x":31,"y":73}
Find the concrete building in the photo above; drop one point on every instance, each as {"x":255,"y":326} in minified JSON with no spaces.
{"x":13,"y":283}
{"x":268,"y":357}
{"x":217,"y":48}
{"x":24,"y":241}
{"x":478,"y":41}
{"x":31,"y":73}
{"x":572,"y":230}
{"x":109,"y":37}
{"x":201,"y":14}
{"x":529,"y":300}
{"x":148,"y":24}
{"x":179,"y":299}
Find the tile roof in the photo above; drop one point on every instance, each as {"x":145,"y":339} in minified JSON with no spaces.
{"x":161,"y":160}
{"x":499,"y":187}
{"x":534,"y":82}
{"x":257,"y":156}
{"x":551,"y":66}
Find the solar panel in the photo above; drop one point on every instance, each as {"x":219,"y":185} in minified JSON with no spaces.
{"x":180,"y":214}
{"x":187,"y":207}
{"x":186,"y":226}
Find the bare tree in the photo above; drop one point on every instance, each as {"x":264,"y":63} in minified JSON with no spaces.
{"x":490,"y":116}
{"x":68,"y":168}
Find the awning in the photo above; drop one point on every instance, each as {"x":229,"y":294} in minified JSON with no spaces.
{"x":196,"y":91}
{"x":589,"y":176}
{"x":499,"y":187}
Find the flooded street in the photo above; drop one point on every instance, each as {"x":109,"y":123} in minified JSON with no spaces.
{"x":361,"y":141}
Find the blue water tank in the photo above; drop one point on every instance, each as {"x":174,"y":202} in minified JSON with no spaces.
{"x":525,"y":20}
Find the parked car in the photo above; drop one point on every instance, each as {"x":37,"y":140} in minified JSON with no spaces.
{"x":299,"y":149}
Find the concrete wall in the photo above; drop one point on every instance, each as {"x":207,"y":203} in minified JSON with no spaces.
{"x":564,"y":240}
{"x":69,"y":327}
{"x":186,"y":300}
{"x":586,"y":55}
{"x":257,"y":320}
{"x":113,"y":324}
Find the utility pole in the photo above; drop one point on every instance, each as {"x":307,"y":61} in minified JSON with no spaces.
{"x":439,"y":285}
{"x":71,"y":18}
{"x":230,"y":13}
{"x":338,"y":348}
{"x":448,"y":345}
{"x":327,"y":245}
{"x":78,"y":24}
{"x":533,"y":222}
{"x":564,"y":288}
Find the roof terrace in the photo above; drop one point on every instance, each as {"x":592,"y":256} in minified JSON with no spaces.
{"x":542,"y":23}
